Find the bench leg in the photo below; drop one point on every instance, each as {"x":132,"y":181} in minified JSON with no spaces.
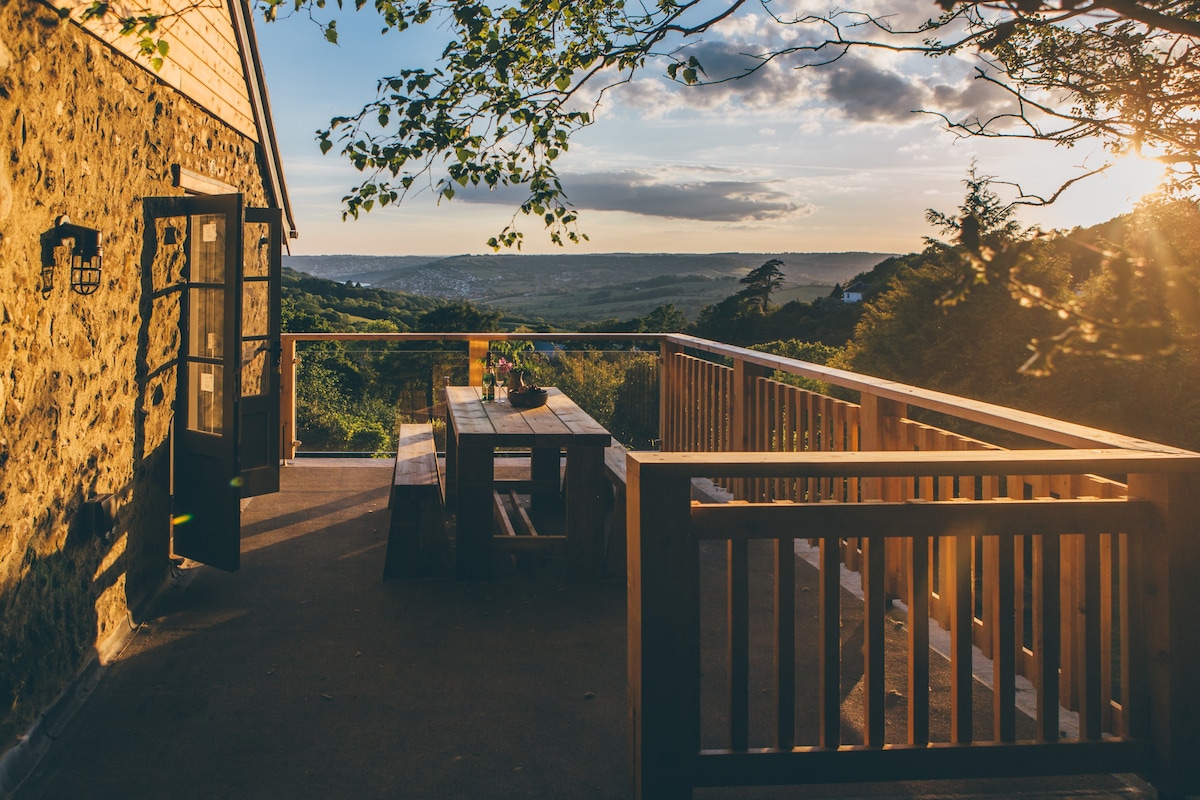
{"x":544,"y":463}
{"x":403,"y":558}
{"x":473,"y":529}
{"x":585,"y":512}
{"x":614,"y":536}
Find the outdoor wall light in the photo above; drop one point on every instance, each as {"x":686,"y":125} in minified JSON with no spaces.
{"x":98,"y":516}
{"x":87,"y":253}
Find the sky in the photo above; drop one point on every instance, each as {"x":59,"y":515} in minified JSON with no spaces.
{"x":818,"y":160}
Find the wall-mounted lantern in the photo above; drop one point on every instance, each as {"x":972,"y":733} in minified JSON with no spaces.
{"x":87,"y":253}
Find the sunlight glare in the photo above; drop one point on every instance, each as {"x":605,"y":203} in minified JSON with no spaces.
{"x":1132,"y":177}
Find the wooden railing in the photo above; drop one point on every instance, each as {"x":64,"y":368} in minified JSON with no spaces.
{"x":782,"y":418}
{"x":666,"y":541}
{"x":1052,"y":571}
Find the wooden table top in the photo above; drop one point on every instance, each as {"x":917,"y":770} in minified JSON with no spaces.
{"x":557,"y":424}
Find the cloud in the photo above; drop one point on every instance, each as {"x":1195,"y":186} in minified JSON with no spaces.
{"x":749,"y":83}
{"x":645,"y":194}
{"x":862,"y":86}
{"x":971,"y":98}
{"x":864,"y":92}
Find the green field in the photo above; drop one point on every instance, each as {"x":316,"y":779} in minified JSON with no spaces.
{"x":570,"y":289}
{"x":688,"y":293}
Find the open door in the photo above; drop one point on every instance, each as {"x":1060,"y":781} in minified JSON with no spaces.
{"x":262,"y":268}
{"x":219,"y":367}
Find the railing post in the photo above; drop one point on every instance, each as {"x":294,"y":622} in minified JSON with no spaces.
{"x":477,"y":350}
{"x":742,"y":419}
{"x":1167,"y":602}
{"x":287,"y":397}
{"x":743,"y":400}
{"x":666,"y":395}
{"x":662,"y":566}
{"x":879,"y":419}
{"x":880,"y":422}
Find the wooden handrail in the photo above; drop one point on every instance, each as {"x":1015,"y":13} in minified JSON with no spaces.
{"x":886,"y":463}
{"x":1003,"y":418}
{"x":1023,"y":423}
{"x":478,"y":336}
{"x":832,"y":521}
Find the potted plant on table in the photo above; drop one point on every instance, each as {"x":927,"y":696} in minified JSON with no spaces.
{"x":515,"y":364}
{"x":522,"y":391}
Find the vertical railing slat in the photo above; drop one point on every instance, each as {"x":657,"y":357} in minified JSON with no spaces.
{"x":785,"y":643}
{"x":1046,"y":628}
{"x":854,"y":432}
{"x":991,"y":582}
{"x":1004,"y":655}
{"x":874,"y":620}
{"x":762,"y":431}
{"x":780,"y":401}
{"x":1024,"y":659}
{"x":1090,"y":693}
{"x":830,"y":644}
{"x":1132,"y":677}
{"x":962,"y":631}
{"x":692,"y":390}
{"x":1107,"y":580}
{"x":795,"y":439}
{"x":918,"y":641}
{"x":738,"y":649}
{"x":707,"y":414}
{"x":810,"y":441}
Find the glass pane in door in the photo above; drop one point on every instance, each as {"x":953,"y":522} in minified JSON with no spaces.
{"x":206,"y":323}
{"x":206,"y":397}
{"x":207,"y":261}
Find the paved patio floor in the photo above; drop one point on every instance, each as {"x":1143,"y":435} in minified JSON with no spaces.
{"x":304,"y":675}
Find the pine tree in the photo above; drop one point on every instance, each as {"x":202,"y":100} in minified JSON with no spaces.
{"x":761,"y":282}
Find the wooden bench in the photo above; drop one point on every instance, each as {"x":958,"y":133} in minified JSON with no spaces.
{"x":417,"y":543}
{"x":614,"y":534}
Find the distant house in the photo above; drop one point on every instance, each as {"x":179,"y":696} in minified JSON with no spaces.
{"x":140,"y":211}
{"x":854,"y":292}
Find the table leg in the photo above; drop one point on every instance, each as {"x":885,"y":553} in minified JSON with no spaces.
{"x":585,"y":512}
{"x":451,"y":462}
{"x":543,"y":469}
{"x":473,"y":515}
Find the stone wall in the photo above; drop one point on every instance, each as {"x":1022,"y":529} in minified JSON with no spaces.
{"x":86,"y":383}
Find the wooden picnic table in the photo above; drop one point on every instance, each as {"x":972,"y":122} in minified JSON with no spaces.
{"x":475,"y":430}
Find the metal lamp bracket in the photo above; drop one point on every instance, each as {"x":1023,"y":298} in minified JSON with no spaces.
{"x":87,"y":253}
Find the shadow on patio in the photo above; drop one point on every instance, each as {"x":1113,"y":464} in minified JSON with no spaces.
{"x":305,"y":675}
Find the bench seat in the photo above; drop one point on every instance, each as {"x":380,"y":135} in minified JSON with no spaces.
{"x":417,"y":543}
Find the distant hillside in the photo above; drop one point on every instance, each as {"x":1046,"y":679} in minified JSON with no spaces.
{"x":587,"y":288}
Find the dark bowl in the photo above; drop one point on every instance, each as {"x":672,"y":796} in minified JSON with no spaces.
{"x":530,"y":398}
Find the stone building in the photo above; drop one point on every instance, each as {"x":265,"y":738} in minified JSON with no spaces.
{"x":136,"y":399}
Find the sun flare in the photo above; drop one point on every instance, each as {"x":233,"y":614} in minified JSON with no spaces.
{"x":1132,"y":177}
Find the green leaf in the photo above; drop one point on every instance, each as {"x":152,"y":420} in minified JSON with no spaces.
{"x":331,"y":32}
